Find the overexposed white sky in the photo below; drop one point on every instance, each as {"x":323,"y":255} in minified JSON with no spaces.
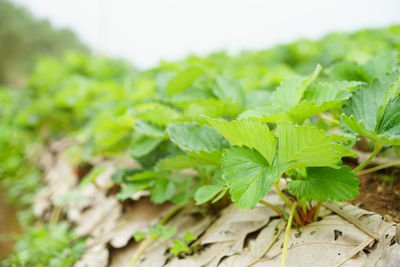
{"x":146,"y":31}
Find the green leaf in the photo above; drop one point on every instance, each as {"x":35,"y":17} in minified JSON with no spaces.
{"x":373,"y":110}
{"x":249,"y":175}
{"x":389,"y":128}
{"x":257,"y":98}
{"x":227,"y":88}
{"x":142,"y":145}
{"x":323,"y":92}
{"x":168,"y":232}
{"x":179,"y":246}
{"x":149,"y":129}
{"x":364,"y":104}
{"x":306,"y":109}
{"x":188,"y":237}
{"x":182,"y":80}
{"x":348,"y":71}
{"x":272,"y":114}
{"x":182,"y":162}
{"x":345,"y":151}
{"x":162,"y":190}
{"x":142,"y":176}
{"x":92,"y":176}
{"x":207,"y":192}
{"x":251,"y":133}
{"x":379,"y":65}
{"x":132,"y":188}
{"x":120,"y":175}
{"x":220,"y":195}
{"x":359,"y":127}
{"x":156,"y":113}
{"x":305,"y":146}
{"x":199,"y":141}
{"x":214,"y":108}
{"x":287,"y":96}
{"x":139,"y":236}
{"x":326,"y":184}
{"x":291,"y":90}
{"x":392,"y":92}
{"x":156,"y":230}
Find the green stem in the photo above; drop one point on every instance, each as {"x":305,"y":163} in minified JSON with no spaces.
{"x":324,"y":117}
{"x":171,"y":213}
{"x":281,"y":195}
{"x":379,"y":167}
{"x":303,"y":204}
{"x":274,"y":208}
{"x":297,"y":218}
{"x":55,"y":215}
{"x":147,"y":242}
{"x":288,"y":227}
{"x":205,"y":180}
{"x":316,"y":213}
{"x":378,"y":147}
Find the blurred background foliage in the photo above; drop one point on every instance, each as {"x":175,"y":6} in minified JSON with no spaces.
{"x":24,"y":39}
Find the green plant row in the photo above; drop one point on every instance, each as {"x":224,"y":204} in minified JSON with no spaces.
{"x":242,"y":123}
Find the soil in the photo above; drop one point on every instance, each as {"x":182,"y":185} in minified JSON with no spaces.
{"x":380,"y":196}
{"x":9,"y":227}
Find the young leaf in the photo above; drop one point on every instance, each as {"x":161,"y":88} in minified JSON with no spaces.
{"x":348,"y":71}
{"x":189,"y":237}
{"x":149,"y":129}
{"x":291,"y":90}
{"x":326,"y":184}
{"x":220,"y":195}
{"x":142,"y":145}
{"x":379,"y":65}
{"x":179,"y":246}
{"x":268,"y":113}
{"x":227,"y":88}
{"x":182,"y":80}
{"x":139,"y":236}
{"x":251,"y":133}
{"x":215,"y":191}
{"x":156,"y":113}
{"x":249,"y":175}
{"x":305,"y":146}
{"x":132,"y":188}
{"x":168,"y":232}
{"x":162,"y":190}
{"x":92,"y":176}
{"x":286,"y":97}
{"x":199,"y":141}
{"x":207,"y":192}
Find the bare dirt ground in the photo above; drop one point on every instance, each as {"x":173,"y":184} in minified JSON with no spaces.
{"x":380,"y":196}
{"x":9,"y":227}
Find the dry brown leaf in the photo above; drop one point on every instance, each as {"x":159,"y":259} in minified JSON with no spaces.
{"x":100,"y":218}
{"x":96,"y":256}
{"x":136,"y":219}
{"x":60,"y":180}
{"x":369,"y":222}
{"x":383,"y":254}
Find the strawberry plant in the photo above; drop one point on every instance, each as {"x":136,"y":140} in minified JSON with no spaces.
{"x":373,"y":110}
{"x":216,"y":129}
